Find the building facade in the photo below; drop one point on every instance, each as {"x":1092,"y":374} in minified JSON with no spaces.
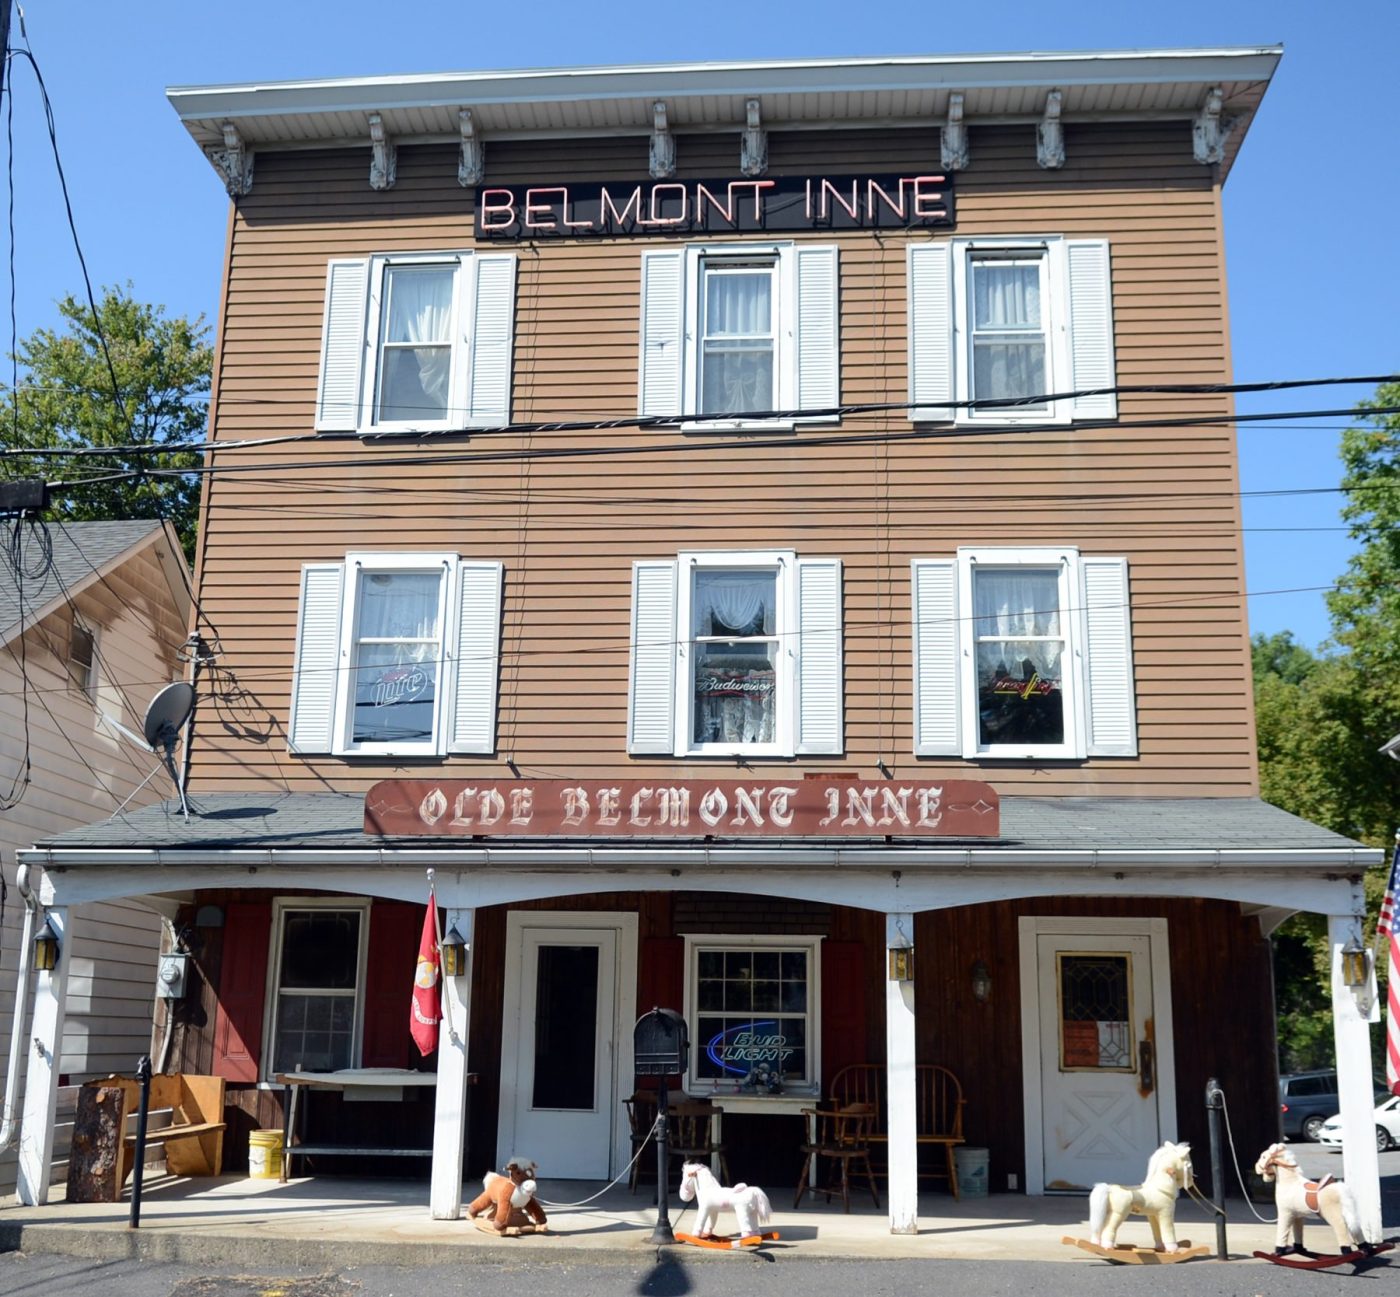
{"x":94,"y":614}
{"x":729,"y":523}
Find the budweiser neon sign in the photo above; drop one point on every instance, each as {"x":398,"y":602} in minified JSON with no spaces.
{"x":641,"y":808}
{"x":780,"y":204}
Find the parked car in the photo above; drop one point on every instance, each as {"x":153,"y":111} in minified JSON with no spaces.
{"x":1306,"y":1100}
{"x":1387,"y":1126}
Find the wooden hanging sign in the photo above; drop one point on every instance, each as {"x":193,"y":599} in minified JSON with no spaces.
{"x":691,"y":808}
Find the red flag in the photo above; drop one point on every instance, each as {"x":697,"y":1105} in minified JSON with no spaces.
{"x":427,"y":1007}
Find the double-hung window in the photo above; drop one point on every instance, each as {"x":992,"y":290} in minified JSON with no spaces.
{"x":417,"y":342}
{"x":999,"y":325}
{"x":752,"y":1009}
{"x":397,"y":654}
{"x":736,"y":652}
{"x":318,"y":962}
{"x":1023,"y":654}
{"x":740,"y":335}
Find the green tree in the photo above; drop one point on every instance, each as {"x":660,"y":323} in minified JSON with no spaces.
{"x":64,"y":400}
{"x":1321,"y":718}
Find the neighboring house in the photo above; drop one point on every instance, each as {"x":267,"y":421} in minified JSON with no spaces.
{"x":92,"y":616}
{"x":646,"y":545}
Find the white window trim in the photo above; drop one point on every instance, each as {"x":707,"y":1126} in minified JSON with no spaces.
{"x":357,"y":564}
{"x":784,"y":562}
{"x":1066,"y":561}
{"x":784,"y":340}
{"x":1055,"y":310}
{"x":280,"y":906}
{"x":752,"y":941}
{"x":458,"y":402}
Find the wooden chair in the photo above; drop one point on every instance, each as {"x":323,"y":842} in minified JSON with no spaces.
{"x":692,"y":1134}
{"x":938,"y":1110}
{"x":641,"y":1117}
{"x":842,"y":1135}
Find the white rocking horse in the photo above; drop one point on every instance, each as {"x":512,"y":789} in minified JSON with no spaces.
{"x":1168,"y":1173}
{"x":1297,"y":1199}
{"x":748,"y":1202}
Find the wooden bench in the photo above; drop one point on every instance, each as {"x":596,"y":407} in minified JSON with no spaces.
{"x":938,"y":1101}
{"x":184,"y":1116}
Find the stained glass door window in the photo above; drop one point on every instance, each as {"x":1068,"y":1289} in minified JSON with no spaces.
{"x":1096,"y":1011}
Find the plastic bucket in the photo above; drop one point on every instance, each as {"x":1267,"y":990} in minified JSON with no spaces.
{"x":265,"y":1155}
{"x":971,"y":1164}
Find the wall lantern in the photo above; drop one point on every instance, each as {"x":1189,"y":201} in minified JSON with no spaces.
{"x":46,"y":948}
{"x":981,"y":983}
{"x":454,"y":952}
{"x":1356,"y":965}
{"x":901,"y":963}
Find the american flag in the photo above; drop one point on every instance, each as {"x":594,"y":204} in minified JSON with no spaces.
{"x":1385,"y":927}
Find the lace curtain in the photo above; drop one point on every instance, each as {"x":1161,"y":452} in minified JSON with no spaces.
{"x":420,"y":311}
{"x":734,"y":603}
{"x":1009,"y":605}
{"x":1008,"y":345}
{"x":738,"y":351}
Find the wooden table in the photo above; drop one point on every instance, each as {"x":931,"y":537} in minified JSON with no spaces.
{"x":788,"y":1104}
{"x":364,"y":1081}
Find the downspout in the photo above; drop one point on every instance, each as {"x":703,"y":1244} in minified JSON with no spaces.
{"x":10,"y":1125}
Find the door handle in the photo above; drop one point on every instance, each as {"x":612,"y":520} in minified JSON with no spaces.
{"x":1146,"y":1079}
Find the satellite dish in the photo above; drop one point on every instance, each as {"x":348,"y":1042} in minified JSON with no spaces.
{"x":168,"y":711}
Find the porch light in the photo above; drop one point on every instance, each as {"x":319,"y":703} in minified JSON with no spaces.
{"x":1356,"y":964}
{"x":454,"y":953}
{"x":981,"y":983}
{"x":901,"y":963}
{"x":46,"y":948}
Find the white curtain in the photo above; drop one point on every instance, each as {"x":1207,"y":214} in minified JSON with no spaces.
{"x":1008,"y":344}
{"x":399,"y":605}
{"x":738,"y":354}
{"x":1008,"y":606}
{"x":420,"y":311}
{"x":1007,"y":295}
{"x":734,"y":600}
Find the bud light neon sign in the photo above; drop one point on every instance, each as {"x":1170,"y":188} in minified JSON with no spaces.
{"x":739,"y":1049}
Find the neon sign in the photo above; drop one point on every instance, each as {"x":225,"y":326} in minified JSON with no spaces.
{"x":622,"y":208}
{"x":745,"y":1044}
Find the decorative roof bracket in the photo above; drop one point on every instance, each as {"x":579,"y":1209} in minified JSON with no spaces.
{"x":471,"y":169}
{"x":234,"y":162}
{"x":1050,"y":135}
{"x":1211,"y":131}
{"x":753,"y":144}
{"x":953,"y":137}
{"x":663,"y":144}
{"x":383,"y":161}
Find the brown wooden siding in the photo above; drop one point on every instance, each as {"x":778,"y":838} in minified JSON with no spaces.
{"x":568,"y":530}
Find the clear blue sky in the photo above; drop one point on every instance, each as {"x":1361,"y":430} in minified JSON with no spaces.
{"x":1311,"y":205}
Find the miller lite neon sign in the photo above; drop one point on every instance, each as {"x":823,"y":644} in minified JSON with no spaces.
{"x":778,"y":204}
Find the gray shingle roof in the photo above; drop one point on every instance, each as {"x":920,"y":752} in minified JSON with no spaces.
{"x":80,"y":551}
{"x":289,"y":821}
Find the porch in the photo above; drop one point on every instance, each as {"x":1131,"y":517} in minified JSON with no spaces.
{"x":337,"y":1220}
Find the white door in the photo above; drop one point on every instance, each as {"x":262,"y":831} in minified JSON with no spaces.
{"x":1099,"y":1062}
{"x":563,"y":1053}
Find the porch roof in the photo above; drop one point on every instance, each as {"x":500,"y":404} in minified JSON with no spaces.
{"x":1034,"y":830}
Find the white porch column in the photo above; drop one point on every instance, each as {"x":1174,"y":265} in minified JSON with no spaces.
{"x":449,"y":1119}
{"x":41,"y":1079}
{"x":1360,"y":1163}
{"x":900,"y":1096}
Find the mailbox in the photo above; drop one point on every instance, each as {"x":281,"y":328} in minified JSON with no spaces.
{"x":661,"y":1044}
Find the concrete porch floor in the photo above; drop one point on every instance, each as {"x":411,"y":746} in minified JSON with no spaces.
{"x":322,"y":1220}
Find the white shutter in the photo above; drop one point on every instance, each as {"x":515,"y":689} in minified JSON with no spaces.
{"x":662,"y":375}
{"x":817,"y":329}
{"x":820,"y":683}
{"x":937,"y":658}
{"x":315,"y":672}
{"x":476,"y":657}
{"x":1108,"y":649}
{"x":342,"y":346}
{"x":651,"y":725}
{"x":931,"y":368}
{"x":1090,"y":327}
{"x":492,"y":332}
